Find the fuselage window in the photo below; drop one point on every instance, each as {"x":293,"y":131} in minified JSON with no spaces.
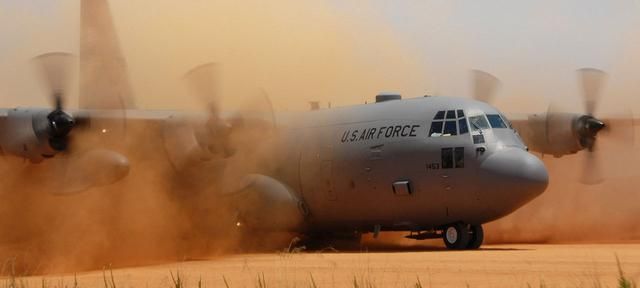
{"x":439,"y":115}
{"x":478,"y":139}
{"x":459,"y":157}
{"x":447,"y":158}
{"x":452,"y":158}
{"x":496,"y":121}
{"x":460,"y":114}
{"x":478,"y":123}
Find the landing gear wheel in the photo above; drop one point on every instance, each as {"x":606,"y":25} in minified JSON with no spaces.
{"x":477,"y":236}
{"x":456,"y":236}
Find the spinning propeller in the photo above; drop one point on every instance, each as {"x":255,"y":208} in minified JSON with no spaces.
{"x":237,"y":138}
{"x":88,"y":162}
{"x":485,"y":86}
{"x":618,"y":130}
{"x":256,"y":116}
{"x":592,"y":131}
{"x":56,"y":68}
{"x":562,"y":129}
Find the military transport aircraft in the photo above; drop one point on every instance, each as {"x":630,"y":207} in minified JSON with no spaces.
{"x":436,"y":167}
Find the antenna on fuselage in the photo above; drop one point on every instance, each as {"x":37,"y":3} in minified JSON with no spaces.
{"x":315,"y":105}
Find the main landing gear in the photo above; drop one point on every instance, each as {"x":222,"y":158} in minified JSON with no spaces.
{"x":457,"y":236}
{"x":460,"y":236}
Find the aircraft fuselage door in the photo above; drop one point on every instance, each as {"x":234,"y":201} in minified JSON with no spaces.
{"x":316,"y":167}
{"x":327,"y":179}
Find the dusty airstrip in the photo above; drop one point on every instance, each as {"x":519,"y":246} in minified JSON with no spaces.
{"x":558,"y":265}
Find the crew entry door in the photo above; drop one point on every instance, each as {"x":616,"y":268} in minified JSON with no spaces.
{"x":316,"y":167}
{"x":327,"y":179}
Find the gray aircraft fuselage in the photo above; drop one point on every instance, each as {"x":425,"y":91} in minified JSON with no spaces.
{"x":379,"y":164}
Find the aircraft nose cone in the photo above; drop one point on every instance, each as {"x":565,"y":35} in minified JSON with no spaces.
{"x":515,"y":175}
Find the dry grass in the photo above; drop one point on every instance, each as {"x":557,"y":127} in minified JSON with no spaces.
{"x":179,"y":281}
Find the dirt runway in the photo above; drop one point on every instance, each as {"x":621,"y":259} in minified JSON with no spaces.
{"x":570,"y":265}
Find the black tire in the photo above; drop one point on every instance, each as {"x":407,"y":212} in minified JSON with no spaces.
{"x":477,"y":236}
{"x":456,"y":236}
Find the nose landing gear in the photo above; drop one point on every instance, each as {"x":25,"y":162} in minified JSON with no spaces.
{"x":460,"y":236}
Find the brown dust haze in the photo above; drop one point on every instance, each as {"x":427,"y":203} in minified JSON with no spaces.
{"x":343,"y":53}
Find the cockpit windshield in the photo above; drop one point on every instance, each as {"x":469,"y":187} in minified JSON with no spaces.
{"x":496,"y":121}
{"x":478,"y":123}
{"x":449,"y":123}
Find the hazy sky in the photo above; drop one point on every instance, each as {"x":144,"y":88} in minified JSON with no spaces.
{"x":341,"y":51}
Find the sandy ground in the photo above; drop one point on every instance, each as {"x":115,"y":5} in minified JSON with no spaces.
{"x":587,"y":265}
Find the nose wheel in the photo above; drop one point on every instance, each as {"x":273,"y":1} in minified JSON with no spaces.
{"x":462,"y":236}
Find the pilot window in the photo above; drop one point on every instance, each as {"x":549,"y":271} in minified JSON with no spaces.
{"x":451,"y":114}
{"x":436,"y":129}
{"x":449,"y":123}
{"x":450,"y":128}
{"x":478,"y":123}
{"x":452,"y":158}
{"x":496,"y":121}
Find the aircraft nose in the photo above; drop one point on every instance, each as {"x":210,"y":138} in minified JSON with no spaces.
{"x":519,"y":175}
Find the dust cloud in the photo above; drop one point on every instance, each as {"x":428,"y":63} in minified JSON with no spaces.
{"x":143,"y":219}
{"x":154,"y":215}
{"x":297,"y":51}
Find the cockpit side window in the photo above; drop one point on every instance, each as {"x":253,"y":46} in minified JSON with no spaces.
{"x":464,"y":128}
{"x":496,"y":121}
{"x":478,"y":123}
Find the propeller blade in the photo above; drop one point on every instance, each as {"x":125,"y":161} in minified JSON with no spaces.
{"x":258,"y":110}
{"x":204,"y":83}
{"x":485,"y":86}
{"x":592,"y":81}
{"x":592,"y":173}
{"x":619,"y":130}
{"x":56,"y":69}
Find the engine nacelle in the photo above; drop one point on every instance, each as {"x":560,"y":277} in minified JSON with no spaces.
{"x":23,"y":133}
{"x":93,"y":168}
{"x":553,"y":133}
{"x":264,"y":203}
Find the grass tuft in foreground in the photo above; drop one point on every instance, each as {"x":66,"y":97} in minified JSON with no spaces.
{"x":623,"y":282}
{"x":178,"y":281}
